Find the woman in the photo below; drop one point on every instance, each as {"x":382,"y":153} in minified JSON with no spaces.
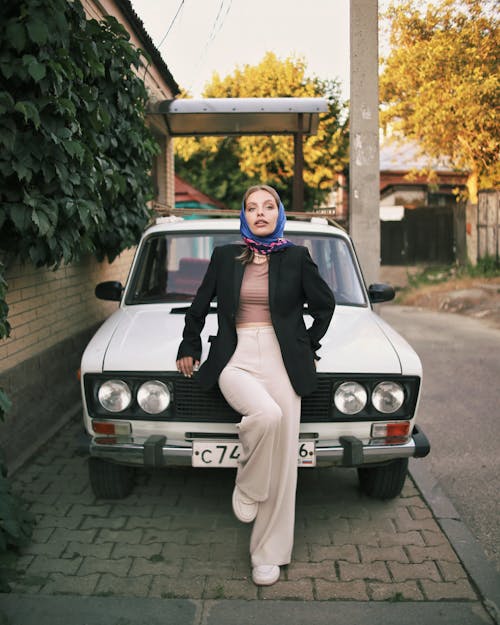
{"x":263,"y":359}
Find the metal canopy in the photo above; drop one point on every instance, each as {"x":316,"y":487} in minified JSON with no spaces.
{"x":241,"y":116}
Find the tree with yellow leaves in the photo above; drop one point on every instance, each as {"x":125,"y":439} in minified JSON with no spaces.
{"x":440,"y":83}
{"x":224,"y":167}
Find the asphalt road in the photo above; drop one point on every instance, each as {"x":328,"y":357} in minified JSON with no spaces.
{"x":460,"y":411}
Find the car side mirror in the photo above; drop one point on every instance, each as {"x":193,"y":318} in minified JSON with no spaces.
{"x":381,"y":293}
{"x":110,"y":290}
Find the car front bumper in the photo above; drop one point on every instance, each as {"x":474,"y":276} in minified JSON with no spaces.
{"x":155,"y":451}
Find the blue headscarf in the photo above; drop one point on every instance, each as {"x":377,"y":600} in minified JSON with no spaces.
{"x":271,"y":243}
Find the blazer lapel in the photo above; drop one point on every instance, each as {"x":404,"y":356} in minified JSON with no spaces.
{"x":274,"y":270}
{"x":238,"y":271}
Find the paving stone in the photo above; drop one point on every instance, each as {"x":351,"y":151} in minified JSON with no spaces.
{"x":390,"y":539}
{"x":373,"y":571}
{"x":42,"y":565}
{"x":168,"y":587}
{"x":102,"y":550}
{"x":403,"y":572}
{"x":42,"y":535}
{"x":62,"y":535}
{"x":221,"y":553}
{"x":160,"y":523}
{"x":367,"y":537}
{"x":340,"y":590}
{"x":110,"y":584}
{"x":420,"y":513}
{"x":94,"y":522}
{"x":192,"y":521}
{"x":439,"y":552}
{"x":407,"y":591}
{"x":125,"y":537}
{"x":230,"y":589}
{"x":436,"y":591}
{"x":79,"y":510}
{"x":405,"y":523}
{"x":200,"y":536}
{"x":71,"y":584}
{"x":53,"y":549}
{"x":117,"y":566}
{"x":373,"y":554}
{"x":138,"y":550}
{"x":155,"y":566}
{"x":174,"y":551}
{"x":383,"y":525}
{"x":451,"y":571}
{"x":343,"y":552}
{"x":299,"y":570}
{"x":59,"y":508}
{"x":433,"y":538}
{"x":48,"y":520}
{"x":145,"y":510}
{"x":196,"y":568}
{"x":175,"y":536}
{"x":300,"y":590}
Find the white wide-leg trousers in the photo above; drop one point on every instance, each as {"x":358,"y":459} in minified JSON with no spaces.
{"x":255,"y":383}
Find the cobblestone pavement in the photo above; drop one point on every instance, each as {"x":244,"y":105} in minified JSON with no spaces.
{"x":176,"y":536}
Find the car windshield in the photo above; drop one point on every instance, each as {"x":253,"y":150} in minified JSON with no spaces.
{"x":171,"y":266}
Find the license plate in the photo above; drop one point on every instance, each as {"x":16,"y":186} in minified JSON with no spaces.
{"x":221,"y":454}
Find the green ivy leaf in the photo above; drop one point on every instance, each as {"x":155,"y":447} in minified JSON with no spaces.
{"x":16,"y":35}
{"x":30,"y":112}
{"x":37,"y":31}
{"x":41,"y":221}
{"x":37,"y":70}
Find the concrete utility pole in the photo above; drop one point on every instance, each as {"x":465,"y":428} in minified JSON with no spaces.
{"x":364,"y":169}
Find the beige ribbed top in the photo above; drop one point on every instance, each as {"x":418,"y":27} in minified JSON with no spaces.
{"x":254,"y":295}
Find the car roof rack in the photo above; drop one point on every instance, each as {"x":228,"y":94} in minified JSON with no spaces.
{"x":220,"y":213}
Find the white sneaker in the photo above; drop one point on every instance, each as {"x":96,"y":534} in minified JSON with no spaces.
{"x":245,"y":509}
{"x":265,"y":574}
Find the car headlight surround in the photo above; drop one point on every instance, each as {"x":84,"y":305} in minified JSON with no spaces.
{"x":388,"y":397}
{"x":114,"y":395}
{"x":154,"y":396}
{"x":350,"y":397}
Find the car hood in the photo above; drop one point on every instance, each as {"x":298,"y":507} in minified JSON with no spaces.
{"x":146,"y":338}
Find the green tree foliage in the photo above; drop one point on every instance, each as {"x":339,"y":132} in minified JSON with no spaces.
{"x":75,"y":153}
{"x":440,"y":82}
{"x":224,"y":167}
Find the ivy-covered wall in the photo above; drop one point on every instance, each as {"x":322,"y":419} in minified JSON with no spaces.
{"x":76,"y":150}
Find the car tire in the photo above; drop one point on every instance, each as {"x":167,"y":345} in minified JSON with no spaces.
{"x":110,"y":481}
{"x":384,"y":482}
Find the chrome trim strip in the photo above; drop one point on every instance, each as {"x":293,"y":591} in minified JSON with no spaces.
{"x":132,"y":453}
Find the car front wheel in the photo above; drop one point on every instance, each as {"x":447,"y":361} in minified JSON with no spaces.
{"x":110,"y":481}
{"x":386,"y":481}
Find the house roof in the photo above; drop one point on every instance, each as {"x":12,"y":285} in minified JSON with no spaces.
{"x":147,"y":44}
{"x":405,"y":156}
{"x":187,"y":196}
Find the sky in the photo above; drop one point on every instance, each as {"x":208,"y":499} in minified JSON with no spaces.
{"x":218,"y":35}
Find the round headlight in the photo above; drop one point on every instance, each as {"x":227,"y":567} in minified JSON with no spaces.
{"x":350,"y":397}
{"x":114,"y":395}
{"x":388,"y":397}
{"x":153,"y":397}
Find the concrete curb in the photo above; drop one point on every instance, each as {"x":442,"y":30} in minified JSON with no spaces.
{"x":480,"y":570}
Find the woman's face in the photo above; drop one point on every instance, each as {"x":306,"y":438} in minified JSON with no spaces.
{"x":261,"y":212}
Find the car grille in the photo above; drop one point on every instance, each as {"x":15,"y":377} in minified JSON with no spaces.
{"x":194,"y":404}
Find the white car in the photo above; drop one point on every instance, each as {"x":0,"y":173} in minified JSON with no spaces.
{"x":140,"y":412}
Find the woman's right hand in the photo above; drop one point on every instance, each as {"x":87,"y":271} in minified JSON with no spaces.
{"x":186,"y":365}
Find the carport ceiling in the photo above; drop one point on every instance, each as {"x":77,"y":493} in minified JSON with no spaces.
{"x":241,"y":116}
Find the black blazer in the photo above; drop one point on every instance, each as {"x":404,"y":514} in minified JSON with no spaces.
{"x":293,"y":280}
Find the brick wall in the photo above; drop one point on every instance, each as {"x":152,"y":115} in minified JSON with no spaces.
{"x":52,"y":314}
